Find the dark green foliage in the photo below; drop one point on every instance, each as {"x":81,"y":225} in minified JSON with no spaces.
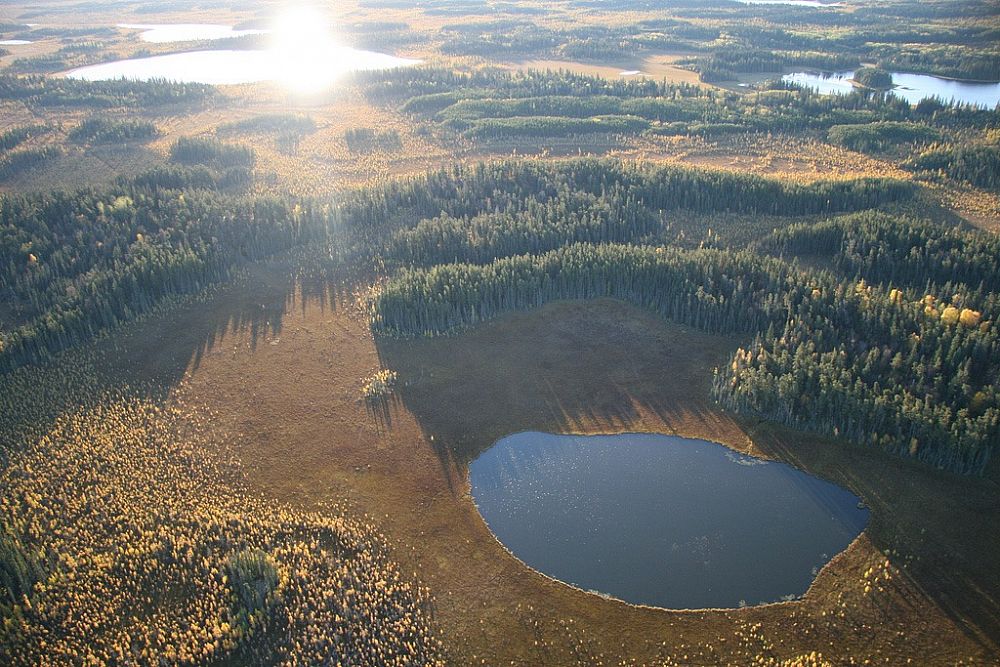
{"x":499,"y":104}
{"x":19,"y":570}
{"x":898,"y":347}
{"x":284,"y":123}
{"x":881,"y":135}
{"x":254,"y":581}
{"x":537,"y":227}
{"x":15,"y":136}
{"x":878,"y":368}
{"x":718,"y":291}
{"x":105,"y":130}
{"x":724,"y":64}
{"x":829,"y":356}
{"x":503,"y":209}
{"x":890,"y":250}
{"x":550,"y":126}
{"x":131,"y":247}
{"x":63,"y":92}
{"x":211,"y":152}
{"x":976,"y":164}
{"x":873,"y":77}
{"x":964,"y":61}
{"x":199,"y":177}
{"x":45,"y":64}
{"x":19,"y":161}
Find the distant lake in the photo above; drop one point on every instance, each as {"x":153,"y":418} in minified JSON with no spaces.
{"x":801,"y":3}
{"x":221,"y":67}
{"x":662,"y":520}
{"x":14,"y":42}
{"x":185,"y":32}
{"x":910,"y":87}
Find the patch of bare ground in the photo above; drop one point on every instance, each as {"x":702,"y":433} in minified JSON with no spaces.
{"x":661,"y":67}
{"x":979,"y":208}
{"x":284,"y":371}
{"x":782,"y":156}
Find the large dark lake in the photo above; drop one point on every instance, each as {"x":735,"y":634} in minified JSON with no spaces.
{"x":662,"y":520}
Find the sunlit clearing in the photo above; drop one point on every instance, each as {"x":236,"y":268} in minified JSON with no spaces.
{"x":307,"y":55}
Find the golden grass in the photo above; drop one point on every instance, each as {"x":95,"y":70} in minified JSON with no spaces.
{"x":284,"y":373}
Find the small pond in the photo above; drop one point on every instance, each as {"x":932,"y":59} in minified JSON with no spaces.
{"x":911,"y":87}
{"x":662,"y":520}
{"x":185,"y":32}
{"x":222,"y":67}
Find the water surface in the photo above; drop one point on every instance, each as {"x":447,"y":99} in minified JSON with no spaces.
{"x":911,"y":87}
{"x":185,"y":32}
{"x":800,"y":3}
{"x":661,"y":520}
{"x":221,"y":67}
{"x":14,"y":42}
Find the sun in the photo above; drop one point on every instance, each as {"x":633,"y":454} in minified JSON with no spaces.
{"x":305,"y":50}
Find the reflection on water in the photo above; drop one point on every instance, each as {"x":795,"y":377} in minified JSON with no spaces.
{"x":186,"y":32}
{"x":221,"y":67}
{"x":14,"y":42}
{"x":662,"y":520}
{"x":911,"y":87}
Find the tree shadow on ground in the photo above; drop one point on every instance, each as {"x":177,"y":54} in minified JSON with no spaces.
{"x":608,"y":367}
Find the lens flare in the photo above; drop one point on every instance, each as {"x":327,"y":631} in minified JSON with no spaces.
{"x":305,"y":50}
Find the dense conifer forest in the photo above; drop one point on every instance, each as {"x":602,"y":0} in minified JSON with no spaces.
{"x":896,"y":345}
{"x":252,"y":336}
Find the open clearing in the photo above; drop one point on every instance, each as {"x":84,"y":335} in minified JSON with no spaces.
{"x":282,"y":373}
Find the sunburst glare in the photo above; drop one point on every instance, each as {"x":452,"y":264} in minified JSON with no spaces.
{"x":305,"y":50}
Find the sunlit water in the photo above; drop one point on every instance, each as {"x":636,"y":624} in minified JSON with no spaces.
{"x":185,"y":32}
{"x":222,"y":67}
{"x":14,"y":42}
{"x":911,"y":87}
{"x":661,"y":520}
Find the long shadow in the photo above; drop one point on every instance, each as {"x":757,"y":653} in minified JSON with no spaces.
{"x":151,"y":356}
{"x":569,"y":368}
{"x":940,"y":528}
{"x":574,"y":366}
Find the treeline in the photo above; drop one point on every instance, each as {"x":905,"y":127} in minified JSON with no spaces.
{"x":873,"y":77}
{"x":403,"y":84}
{"x":79,"y":263}
{"x":915,"y":375}
{"x":838,"y":358}
{"x":880,"y":136}
{"x":63,"y":92}
{"x":105,"y":130}
{"x":894,"y":251}
{"x":211,"y":153}
{"x":895,"y":344}
{"x":16,"y":136}
{"x":570,"y":217}
{"x":493,"y":105}
{"x":724,"y":65}
{"x":18,"y":161}
{"x":503,"y":209}
{"x":975,"y":164}
{"x":709,"y":289}
{"x":199,"y":177}
{"x":553,"y":126}
{"x":737,"y":38}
